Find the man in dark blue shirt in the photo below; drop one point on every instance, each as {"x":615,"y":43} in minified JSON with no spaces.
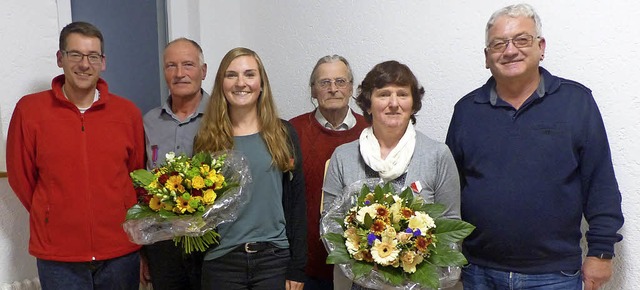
{"x":533,"y":157}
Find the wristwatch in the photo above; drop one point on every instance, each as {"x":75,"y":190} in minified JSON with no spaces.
{"x":606,"y":256}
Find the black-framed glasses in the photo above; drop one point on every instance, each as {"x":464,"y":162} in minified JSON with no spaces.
{"x":74,"y":56}
{"x":326,"y":83}
{"x":520,"y":41}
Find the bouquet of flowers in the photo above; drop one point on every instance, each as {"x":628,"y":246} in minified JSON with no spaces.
{"x":187,"y":198}
{"x":380,"y":237}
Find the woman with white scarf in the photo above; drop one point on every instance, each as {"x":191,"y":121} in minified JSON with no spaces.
{"x":391,"y":149}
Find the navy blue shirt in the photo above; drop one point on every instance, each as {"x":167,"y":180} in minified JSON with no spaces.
{"x":529,"y":175}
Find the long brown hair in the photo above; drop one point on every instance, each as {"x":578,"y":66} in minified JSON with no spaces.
{"x":216,"y":131}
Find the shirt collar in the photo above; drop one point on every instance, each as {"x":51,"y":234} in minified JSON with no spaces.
{"x":348,"y":122}
{"x":166,"y":107}
{"x":96,"y":97}
{"x":538,"y":93}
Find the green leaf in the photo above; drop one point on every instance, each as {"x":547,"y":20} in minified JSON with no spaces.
{"x":139,"y":211}
{"x":392,"y":275}
{"x":334,"y":238}
{"x":427,"y":275}
{"x":339,"y":221}
{"x":360,"y":269}
{"x":166,"y":214}
{"x":201,"y":158}
{"x":390,"y":200}
{"x":406,"y":194}
{"x":368,"y":221}
{"x":450,"y":231}
{"x":378,"y":193}
{"x":339,"y":256}
{"x":363,"y":193}
{"x":434,"y":210}
{"x":142,"y":177}
{"x":444,"y":256}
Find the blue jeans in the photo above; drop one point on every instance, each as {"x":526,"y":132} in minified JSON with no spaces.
{"x":171,"y":268}
{"x":121,"y":273}
{"x":475,"y":277}
{"x":263,"y":270}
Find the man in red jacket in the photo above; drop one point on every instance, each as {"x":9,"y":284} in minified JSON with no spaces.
{"x":331,"y":124}
{"x":69,"y":153}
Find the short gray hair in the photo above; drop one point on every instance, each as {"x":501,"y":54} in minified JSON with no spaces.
{"x":193,"y":42}
{"x":330,"y":59}
{"x":516,"y":10}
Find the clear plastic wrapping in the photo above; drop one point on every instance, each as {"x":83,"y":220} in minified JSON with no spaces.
{"x":331,"y":223}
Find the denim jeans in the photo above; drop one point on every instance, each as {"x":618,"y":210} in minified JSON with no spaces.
{"x":263,"y":270}
{"x":475,"y":277}
{"x":171,"y":268}
{"x":121,"y":273}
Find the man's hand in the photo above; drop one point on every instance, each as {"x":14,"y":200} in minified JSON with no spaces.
{"x":596,"y":272}
{"x":145,"y":276}
{"x":293,"y":285}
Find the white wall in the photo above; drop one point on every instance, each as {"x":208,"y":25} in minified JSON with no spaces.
{"x":29,"y":30}
{"x":590,"y":41}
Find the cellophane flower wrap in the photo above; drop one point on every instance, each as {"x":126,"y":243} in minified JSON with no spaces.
{"x":186,"y":198}
{"x":386,"y":238}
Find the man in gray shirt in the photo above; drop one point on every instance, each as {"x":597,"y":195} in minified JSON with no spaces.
{"x":172,"y":128}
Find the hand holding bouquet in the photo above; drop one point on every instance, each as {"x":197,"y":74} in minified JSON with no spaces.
{"x":186,"y":198}
{"x":383,"y":238}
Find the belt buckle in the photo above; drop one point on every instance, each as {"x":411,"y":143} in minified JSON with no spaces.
{"x":246,"y":248}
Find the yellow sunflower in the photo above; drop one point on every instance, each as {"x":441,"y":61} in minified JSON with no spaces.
{"x":182,"y":206}
{"x":174,"y":182}
{"x":155,"y":203}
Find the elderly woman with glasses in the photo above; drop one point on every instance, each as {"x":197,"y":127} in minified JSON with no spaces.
{"x":391,"y":149}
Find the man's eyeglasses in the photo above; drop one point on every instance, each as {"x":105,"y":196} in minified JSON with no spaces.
{"x":74,"y":56}
{"x":326,"y":83}
{"x":500,"y":45}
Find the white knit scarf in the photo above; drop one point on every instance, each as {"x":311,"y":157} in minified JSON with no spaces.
{"x":397,"y":160}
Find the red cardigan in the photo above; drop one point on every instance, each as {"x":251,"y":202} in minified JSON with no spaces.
{"x":317,"y":144}
{"x":71,"y":172}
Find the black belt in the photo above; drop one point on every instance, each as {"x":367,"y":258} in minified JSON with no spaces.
{"x":253,"y":247}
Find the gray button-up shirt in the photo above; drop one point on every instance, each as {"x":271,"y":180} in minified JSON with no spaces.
{"x":164,"y":132}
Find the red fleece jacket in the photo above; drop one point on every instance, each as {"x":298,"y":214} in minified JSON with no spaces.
{"x":71,"y":172}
